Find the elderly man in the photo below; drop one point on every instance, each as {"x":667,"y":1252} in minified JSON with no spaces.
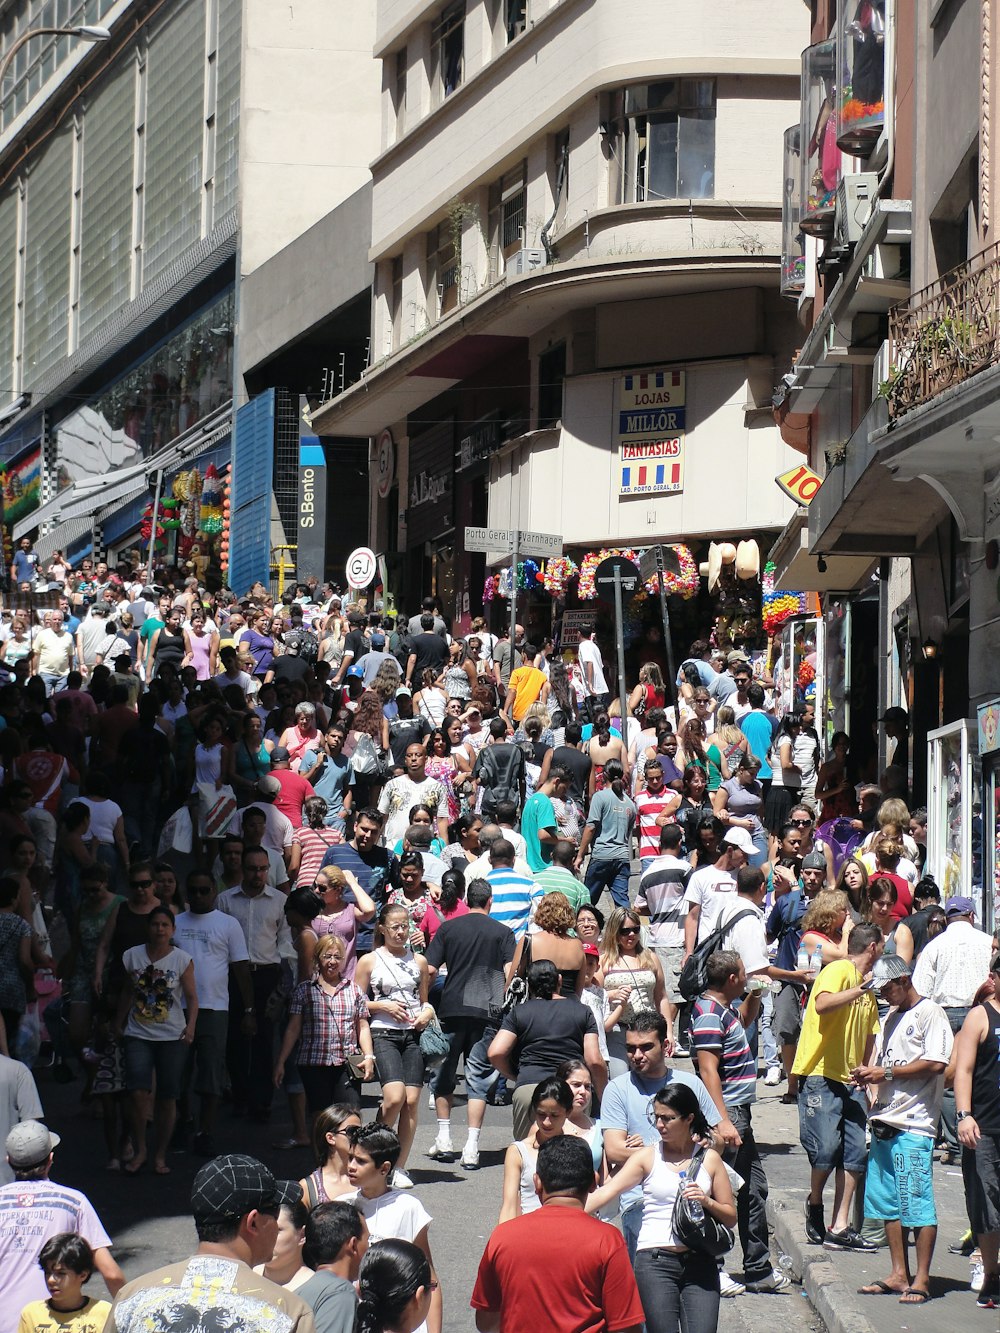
{"x":52,"y":655}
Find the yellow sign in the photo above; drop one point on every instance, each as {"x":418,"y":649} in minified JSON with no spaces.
{"x":800,"y":485}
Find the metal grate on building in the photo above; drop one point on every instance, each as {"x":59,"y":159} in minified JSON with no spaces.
{"x":286,"y":460}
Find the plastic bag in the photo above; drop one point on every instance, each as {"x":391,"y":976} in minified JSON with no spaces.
{"x":29,"y":1037}
{"x":177,"y":833}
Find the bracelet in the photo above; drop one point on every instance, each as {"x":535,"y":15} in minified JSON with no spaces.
{"x":249,"y":1009}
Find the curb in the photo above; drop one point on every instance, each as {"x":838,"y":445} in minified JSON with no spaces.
{"x":831,"y":1298}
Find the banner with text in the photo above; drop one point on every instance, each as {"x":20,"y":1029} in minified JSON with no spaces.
{"x":648,"y":430}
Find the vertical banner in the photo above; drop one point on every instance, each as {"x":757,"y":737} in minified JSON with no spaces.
{"x":648,"y":429}
{"x":310,"y":556}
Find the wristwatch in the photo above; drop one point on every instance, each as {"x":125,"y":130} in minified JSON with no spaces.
{"x":887,"y":1074}
{"x":963,"y":1115}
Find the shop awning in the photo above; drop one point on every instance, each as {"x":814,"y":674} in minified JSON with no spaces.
{"x":796,"y":568}
{"x":62,"y":537}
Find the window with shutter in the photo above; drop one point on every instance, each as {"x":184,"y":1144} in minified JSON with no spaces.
{"x":8,"y":270}
{"x":227,"y":116}
{"x":47,"y":259}
{"x":174,"y":120}
{"x":106,"y":201}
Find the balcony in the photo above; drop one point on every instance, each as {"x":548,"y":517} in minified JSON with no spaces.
{"x":945,"y":334}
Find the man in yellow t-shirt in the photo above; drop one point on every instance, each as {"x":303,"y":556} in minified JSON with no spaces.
{"x":526,"y":686}
{"x":838,"y":1032}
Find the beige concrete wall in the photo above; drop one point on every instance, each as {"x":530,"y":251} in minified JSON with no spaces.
{"x":309,"y":118}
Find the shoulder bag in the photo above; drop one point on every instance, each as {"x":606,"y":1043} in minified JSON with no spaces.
{"x":707,"y":1236}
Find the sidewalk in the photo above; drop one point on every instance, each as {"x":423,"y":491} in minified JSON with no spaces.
{"x":831,"y":1278}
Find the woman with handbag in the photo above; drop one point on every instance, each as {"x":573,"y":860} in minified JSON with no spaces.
{"x":687,"y":1216}
{"x":365,"y":749}
{"x":328,"y":1018}
{"x":396,"y":981}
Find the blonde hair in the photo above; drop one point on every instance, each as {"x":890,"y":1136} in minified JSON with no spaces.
{"x":333,"y":877}
{"x":328,"y":944}
{"x":824,"y":910}
{"x":893,"y":811}
{"x":610,"y":950}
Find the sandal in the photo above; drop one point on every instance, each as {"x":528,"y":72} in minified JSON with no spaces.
{"x":914,"y":1296}
{"x":880,"y":1288}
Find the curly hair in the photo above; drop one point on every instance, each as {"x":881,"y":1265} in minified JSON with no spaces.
{"x":824,"y":914}
{"x":386,"y":681}
{"x":554,"y":914}
{"x":368,"y":716}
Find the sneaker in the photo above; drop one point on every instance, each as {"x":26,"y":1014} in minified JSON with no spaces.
{"x":964,"y":1247}
{"x":774,"y":1281}
{"x":728,"y":1286}
{"x":773,"y":1077}
{"x":681,"y":1052}
{"x":989,"y":1295}
{"x":815,"y":1224}
{"x":400,"y":1180}
{"x":848,"y":1239}
{"x":977,"y":1275}
{"x":441,"y":1150}
{"x":470,"y":1158}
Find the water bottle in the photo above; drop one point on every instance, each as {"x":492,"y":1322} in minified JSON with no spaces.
{"x":802,"y":958}
{"x":694,"y":1205}
{"x":816,"y":962}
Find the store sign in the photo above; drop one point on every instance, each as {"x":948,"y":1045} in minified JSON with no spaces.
{"x":430,"y":492}
{"x":310,"y":554}
{"x":385,"y":463}
{"x":800,"y":484}
{"x":482,"y":440}
{"x":575,"y":624}
{"x":649,"y":427}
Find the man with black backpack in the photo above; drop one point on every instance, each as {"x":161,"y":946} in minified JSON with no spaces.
{"x":499,"y":770}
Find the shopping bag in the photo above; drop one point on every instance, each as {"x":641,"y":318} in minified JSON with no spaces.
{"x":217,"y":805}
{"x":177,"y":833}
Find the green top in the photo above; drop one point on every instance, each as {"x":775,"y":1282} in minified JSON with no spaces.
{"x":538,"y":813}
{"x":557,"y":879}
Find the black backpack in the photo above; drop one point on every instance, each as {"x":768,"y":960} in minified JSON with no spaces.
{"x":305,"y":641}
{"x":694,"y":974}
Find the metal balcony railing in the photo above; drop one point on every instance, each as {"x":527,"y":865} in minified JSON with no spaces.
{"x":944,"y":334}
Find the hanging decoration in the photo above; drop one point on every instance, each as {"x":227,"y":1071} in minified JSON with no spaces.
{"x":558,"y":572}
{"x":224,"y":541}
{"x":491,"y":588}
{"x":684,"y":583}
{"x":779,"y":606}
{"x":211,"y":502}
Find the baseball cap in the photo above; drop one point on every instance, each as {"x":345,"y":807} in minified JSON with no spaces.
{"x":814,"y":861}
{"x":279,"y":754}
{"x":357,"y":670}
{"x":895,"y":714}
{"x":29,"y":1143}
{"x":234,"y":1185}
{"x":591,"y":951}
{"x":735,"y":657}
{"x":403,"y":689}
{"x":959,"y":906}
{"x":740,"y":838}
{"x":268,"y":786}
{"x":890,"y":967}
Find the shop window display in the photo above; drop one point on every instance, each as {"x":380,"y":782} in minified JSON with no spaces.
{"x":861,"y":69}
{"x":821,"y":157}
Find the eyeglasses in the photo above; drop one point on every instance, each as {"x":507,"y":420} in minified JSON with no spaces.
{"x":629,"y":930}
{"x":658,"y":1118}
{"x":800,"y":823}
{"x":140,"y":883}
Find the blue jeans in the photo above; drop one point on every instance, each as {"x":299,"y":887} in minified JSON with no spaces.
{"x":678,"y":1290}
{"x":948,"y":1126}
{"x":610,"y":875}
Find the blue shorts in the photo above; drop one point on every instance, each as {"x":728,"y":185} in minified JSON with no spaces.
{"x":164,"y":1058}
{"x":900,"y":1184}
{"x":832,"y":1121}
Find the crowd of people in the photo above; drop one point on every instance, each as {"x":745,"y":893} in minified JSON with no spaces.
{"x":255,"y":848}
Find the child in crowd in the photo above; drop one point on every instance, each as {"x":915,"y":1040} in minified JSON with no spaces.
{"x":67,"y":1261}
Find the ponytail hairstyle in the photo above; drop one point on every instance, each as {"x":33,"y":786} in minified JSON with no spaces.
{"x":614,"y":776}
{"x":391,"y":1274}
{"x":602,"y":728}
{"x":452,"y":889}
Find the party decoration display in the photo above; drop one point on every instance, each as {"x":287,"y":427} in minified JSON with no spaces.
{"x":779,"y":606}
{"x":224,"y":540}
{"x":587,"y":590}
{"x":211,"y":502}
{"x":558,"y":573}
{"x":684,"y":583}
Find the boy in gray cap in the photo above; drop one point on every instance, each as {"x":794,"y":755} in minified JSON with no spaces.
{"x":235,"y":1201}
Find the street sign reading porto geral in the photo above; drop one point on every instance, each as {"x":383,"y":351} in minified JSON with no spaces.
{"x":540,"y":545}
{"x":649,"y":427}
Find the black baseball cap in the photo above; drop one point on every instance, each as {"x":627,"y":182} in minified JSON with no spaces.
{"x":234,"y":1185}
{"x":814,"y":861}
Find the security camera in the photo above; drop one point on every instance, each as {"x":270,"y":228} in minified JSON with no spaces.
{"x":788,"y":381}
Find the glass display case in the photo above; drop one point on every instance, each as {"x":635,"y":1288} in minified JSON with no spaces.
{"x":861,"y":75}
{"x":793,"y":260}
{"x":821,"y":157}
{"x":989,"y":817}
{"x":799,"y":670}
{"x":954,"y":810}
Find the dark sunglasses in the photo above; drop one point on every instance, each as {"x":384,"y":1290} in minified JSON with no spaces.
{"x":800,"y":823}
{"x":629,"y":930}
{"x":140,"y":883}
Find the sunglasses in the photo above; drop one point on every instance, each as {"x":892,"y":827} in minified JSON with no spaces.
{"x":140,"y":883}
{"x":629,"y":930}
{"x":800,"y":823}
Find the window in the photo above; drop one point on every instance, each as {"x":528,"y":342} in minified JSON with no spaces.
{"x":551,"y":374}
{"x":448,"y":48}
{"x":442,"y":272}
{"x":666,"y":141}
{"x":515,"y":17}
{"x":399,"y":93}
{"x":508,"y":208}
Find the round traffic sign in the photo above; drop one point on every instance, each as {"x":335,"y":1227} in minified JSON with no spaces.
{"x":604,"y":578}
{"x":361,"y":566}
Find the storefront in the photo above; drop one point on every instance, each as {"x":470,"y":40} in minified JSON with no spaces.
{"x":430,"y":516}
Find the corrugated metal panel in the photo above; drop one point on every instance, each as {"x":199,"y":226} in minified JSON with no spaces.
{"x":253,"y":465}
{"x":8,"y":269}
{"x":47,"y":256}
{"x":174,"y":118}
{"x":227,"y":119}
{"x":106,"y":202}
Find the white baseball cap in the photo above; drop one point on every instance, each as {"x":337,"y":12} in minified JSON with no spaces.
{"x":740,"y":838}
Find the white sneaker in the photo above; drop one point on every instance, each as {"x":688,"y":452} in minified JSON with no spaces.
{"x":728,"y":1286}
{"x":977,"y":1274}
{"x":773,"y":1077}
{"x":400,"y":1180}
{"x":431,"y":1101}
{"x":442,"y":1150}
{"x":470,"y":1158}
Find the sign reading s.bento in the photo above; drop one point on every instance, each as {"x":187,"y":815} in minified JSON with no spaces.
{"x":649,"y":428}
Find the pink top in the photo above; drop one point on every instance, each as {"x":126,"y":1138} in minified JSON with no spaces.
{"x":345,"y":924}
{"x":201,"y":646}
{"x":434,"y":916}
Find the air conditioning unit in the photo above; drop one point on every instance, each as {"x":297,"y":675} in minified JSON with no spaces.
{"x":855,"y":196}
{"x":523,"y":261}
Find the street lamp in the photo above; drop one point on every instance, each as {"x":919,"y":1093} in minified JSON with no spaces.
{"x":87,"y":32}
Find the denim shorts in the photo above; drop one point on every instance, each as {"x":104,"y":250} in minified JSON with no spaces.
{"x":167,"y":1058}
{"x":832,"y":1120}
{"x":900,"y":1184}
{"x":398,"y":1057}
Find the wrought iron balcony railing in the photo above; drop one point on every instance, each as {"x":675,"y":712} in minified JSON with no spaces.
{"x":944,"y":334}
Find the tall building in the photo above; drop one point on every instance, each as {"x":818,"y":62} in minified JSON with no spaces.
{"x":141,"y":178}
{"x":577,"y":326}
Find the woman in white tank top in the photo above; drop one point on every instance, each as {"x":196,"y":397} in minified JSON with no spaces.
{"x":674,"y":1282}
{"x":551,"y":1104}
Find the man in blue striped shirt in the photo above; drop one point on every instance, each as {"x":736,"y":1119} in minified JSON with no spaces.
{"x":514,"y":896}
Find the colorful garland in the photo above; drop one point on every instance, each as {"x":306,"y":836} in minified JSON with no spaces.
{"x":684,"y":584}
{"x":777,"y":607}
{"x":587,"y":590}
{"x":211,"y":502}
{"x":558,"y":573}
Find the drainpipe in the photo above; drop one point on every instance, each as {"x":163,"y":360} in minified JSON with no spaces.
{"x":549,"y":248}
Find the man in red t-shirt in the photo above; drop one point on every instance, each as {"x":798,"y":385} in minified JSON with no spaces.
{"x":295,"y":790}
{"x":556,"y":1270}
{"x":655,"y":804}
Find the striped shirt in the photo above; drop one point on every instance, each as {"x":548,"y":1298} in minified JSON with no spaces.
{"x":716,"y":1028}
{"x":661,"y":894}
{"x":330,"y":1021}
{"x":557,"y":879}
{"x":650,"y":807}
{"x":513,"y":899}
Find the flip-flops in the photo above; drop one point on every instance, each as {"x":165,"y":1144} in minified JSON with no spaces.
{"x":914,"y":1296}
{"x":879,"y":1288}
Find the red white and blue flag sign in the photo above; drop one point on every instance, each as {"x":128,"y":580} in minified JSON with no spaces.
{"x":649,"y":429}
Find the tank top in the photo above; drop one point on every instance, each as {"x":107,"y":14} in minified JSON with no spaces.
{"x":659,"y":1193}
{"x":529,"y":1160}
{"x":397,"y":981}
{"x":986,"y":1075}
{"x":169,"y":648}
{"x":131,"y":929}
{"x":643,"y":986}
{"x":200,"y":648}
{"x":456,"y":682}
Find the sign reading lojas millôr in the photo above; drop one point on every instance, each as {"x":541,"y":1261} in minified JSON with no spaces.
{"x":649,"y":427}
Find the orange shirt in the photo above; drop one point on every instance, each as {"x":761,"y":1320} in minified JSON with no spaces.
{"x":526,"y":682}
